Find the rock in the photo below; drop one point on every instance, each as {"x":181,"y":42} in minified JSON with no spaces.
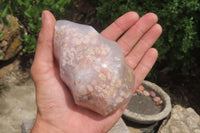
{"x":92,"y":67}
{"x":159,"y":102}
{"x":27,"y":125}
{"x":152,"y":93}
{"x":182,"y":120}
{"x":156,"y":99}
{"x":119,"y":127}
{"x":146,"y":93}
{"x":134,"y":130}
{"x":10,"y":42}
{"x":141,"y":88}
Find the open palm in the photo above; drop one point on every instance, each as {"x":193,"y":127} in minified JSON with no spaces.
{"x":57,"y":111}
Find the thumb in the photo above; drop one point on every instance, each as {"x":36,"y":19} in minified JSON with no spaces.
{"x":44,"y":59}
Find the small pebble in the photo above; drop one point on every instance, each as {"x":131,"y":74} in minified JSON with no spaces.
{"x":146,"y":93}
{"x":134,"y":94}
{"x":136,"y":91}
{"x":152,"y":93}
{"x":156,"y":99}
{"x":159,"y":102}
{"x":139,"y":92}
{"x":141,"y":88}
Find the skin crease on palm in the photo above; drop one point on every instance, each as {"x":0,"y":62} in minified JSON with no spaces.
{"x":57,"y":111}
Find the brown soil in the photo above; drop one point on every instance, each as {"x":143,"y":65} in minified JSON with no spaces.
{"x":183,"y":90}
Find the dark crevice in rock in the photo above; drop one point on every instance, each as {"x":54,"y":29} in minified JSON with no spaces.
{"x":7,"y":62}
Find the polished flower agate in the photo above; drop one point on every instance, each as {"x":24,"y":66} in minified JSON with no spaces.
{"x":92,"y":67}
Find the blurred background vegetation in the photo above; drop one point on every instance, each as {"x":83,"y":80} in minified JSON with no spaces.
{"x":178,"y":46}
{"x":29,"y":14}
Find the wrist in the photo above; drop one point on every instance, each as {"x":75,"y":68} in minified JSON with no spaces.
{"x":41,"y":126}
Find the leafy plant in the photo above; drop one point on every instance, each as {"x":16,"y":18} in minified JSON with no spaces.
{"x":29,"y":14}
{"x":180,"y":42}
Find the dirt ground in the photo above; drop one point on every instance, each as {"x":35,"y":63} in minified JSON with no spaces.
{"x":17,"y":100}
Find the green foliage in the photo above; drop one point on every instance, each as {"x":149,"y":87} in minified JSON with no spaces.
{"x":1,"y":34}
{"x":29,"y":14}
{"x":179,"y":44}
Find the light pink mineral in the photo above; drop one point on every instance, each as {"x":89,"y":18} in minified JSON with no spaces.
{"x":92,"y":67}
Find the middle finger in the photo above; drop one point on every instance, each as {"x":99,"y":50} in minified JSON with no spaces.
{"x":131,"y":37}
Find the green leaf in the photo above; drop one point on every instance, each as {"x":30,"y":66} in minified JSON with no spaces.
{"x":27,"y":12}
{"x":27,"y":3}
{"x":32,"y":26}
{"x":1,"y":34}
{"x":3,"y":14}
{"x":20,"y":2}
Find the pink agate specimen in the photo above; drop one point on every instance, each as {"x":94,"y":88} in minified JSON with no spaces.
{"x":92,"y":67}
{"x":156,"y":99}
{"x":152,"y":93}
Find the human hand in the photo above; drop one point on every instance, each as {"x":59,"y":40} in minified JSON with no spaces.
{"x":57,"y":111}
